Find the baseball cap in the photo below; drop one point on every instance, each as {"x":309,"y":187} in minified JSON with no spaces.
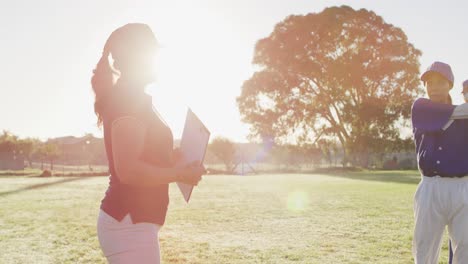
{"x":440,"y":68}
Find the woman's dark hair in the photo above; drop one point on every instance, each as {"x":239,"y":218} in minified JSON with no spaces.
{"x":127,"y":45}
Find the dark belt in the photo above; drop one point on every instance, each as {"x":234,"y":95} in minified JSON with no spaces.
{"x":446,"y":175}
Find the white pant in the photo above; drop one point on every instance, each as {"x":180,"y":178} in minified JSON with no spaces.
{"x":124,"y":242}
{"x":440,"y":202}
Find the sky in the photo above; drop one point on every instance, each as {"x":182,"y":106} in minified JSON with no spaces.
{"x":48,"y":50}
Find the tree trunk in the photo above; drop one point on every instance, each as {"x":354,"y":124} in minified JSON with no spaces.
{"x":363,"y":159}
{"x":343,"y":146}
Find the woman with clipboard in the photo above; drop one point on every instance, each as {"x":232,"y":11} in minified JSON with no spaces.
{"x":139,"y":147}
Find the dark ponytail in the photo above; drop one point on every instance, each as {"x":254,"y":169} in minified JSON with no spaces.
{"x":101,"y":82}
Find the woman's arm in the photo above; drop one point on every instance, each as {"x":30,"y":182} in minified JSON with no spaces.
{"x":128,"y":136}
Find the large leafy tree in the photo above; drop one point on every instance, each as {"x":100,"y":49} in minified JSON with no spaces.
{"x":341,"y":74}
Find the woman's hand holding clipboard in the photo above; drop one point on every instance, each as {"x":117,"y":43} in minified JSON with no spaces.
{"x":193,"y":145}
{"x":191,"y":174}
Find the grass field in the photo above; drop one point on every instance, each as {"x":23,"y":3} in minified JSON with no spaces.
{"x":363,"y":217}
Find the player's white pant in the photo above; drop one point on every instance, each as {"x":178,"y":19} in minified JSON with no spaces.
{"x":440,"y":202}
{"x":127,"y":243}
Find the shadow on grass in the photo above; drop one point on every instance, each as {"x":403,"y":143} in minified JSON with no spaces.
{"x":40,"y":185}
{"x":18,"y":174}
{"x":408,"y":177}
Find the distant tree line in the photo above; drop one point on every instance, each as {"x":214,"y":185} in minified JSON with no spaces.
{"x":86,"y":150}
{"x":323,"y":153}
{"x":232,"y":157}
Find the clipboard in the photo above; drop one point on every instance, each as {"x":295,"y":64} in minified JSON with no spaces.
{"x":193,"y":145}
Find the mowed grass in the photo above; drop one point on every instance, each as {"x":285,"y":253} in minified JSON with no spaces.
{"x":363,"y":217}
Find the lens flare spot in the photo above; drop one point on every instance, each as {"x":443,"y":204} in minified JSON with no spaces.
{"x":297,"y":201}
